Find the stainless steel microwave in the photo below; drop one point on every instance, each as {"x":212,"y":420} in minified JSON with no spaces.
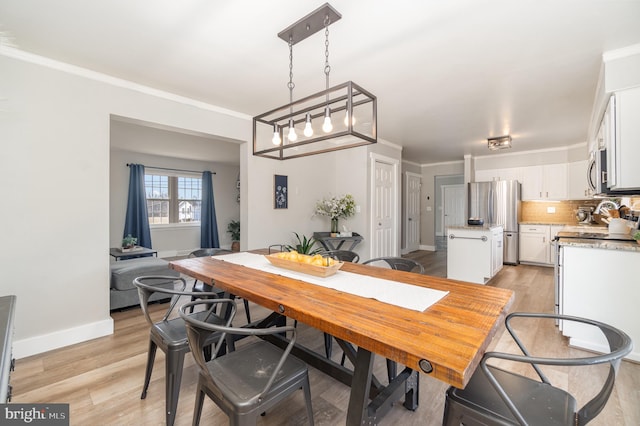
{"x":597,"y":172}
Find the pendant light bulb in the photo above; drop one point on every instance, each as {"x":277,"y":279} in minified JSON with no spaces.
{"x":327,"y":126}
{"x":346,"y":117}
{"x":276,"y":135}
{"x":292,"y":132}
{"x":308,"y":130}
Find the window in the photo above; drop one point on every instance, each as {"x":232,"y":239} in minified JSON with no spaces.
{"x":173,"y":199}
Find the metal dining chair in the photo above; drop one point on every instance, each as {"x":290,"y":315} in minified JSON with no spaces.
{"x":169,"y":334}
{"x":342,"y":255}
{"x":399,"y":263}
{"x":497,"y":396}
{"x":200,"y":287}
{"x":247,"y":381}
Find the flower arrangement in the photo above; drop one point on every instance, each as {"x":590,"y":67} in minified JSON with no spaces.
{"x":337,"y":207}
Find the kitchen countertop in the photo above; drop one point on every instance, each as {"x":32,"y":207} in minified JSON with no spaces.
{"x":600,"y":244}
{"x":545,"y":223}
{"x":484,"y":227}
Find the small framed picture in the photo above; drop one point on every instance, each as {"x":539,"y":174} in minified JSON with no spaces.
{"x":281,"y":192}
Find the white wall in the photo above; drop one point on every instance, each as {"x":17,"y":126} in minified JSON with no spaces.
{"x":310,"y":179}
{"x":55,"y":172}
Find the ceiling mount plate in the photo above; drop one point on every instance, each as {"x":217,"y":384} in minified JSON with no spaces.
{"x":310,"y":24}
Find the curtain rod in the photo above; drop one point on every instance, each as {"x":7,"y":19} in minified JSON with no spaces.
{"x":173,"y":170}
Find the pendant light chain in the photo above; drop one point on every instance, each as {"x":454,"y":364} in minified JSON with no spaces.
{"x":327,"y":67}
{"x":291,"y":84}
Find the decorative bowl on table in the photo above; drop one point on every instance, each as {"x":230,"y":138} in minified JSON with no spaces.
{"x":313,"y":265}
{"x":475,"y":221}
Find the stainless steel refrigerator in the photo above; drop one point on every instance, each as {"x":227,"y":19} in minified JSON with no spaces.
{"x":498,"y":202}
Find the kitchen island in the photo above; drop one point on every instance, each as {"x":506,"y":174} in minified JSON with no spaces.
{"x":474,"y":253}
{"x":598,"y":279}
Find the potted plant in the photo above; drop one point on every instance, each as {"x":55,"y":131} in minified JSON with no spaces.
{"x":304,"y":245}
{"x":129,"y":242}
{"x":335,"y":208}
{"x":636,"y":237}
{"x":233,"y":228}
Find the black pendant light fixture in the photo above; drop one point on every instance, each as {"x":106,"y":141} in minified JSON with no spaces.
{"x":276,"y":132}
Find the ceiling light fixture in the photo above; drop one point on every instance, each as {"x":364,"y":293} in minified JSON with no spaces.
{"x":347,"y":97}
{"x":500,"y":142}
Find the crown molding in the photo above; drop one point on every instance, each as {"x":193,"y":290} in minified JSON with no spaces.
{"x":113,"y":81}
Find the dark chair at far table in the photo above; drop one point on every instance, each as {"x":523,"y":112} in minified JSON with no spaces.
{"x":247,"y":381}
{"x":497,"y":396}
{"x":168,"y":334}
{"x":342,"y":255}
{"x":200,"y":287}
{"x":399,"y":263}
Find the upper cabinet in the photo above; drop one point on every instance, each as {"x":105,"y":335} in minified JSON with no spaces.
{"x":564,"y":181}
{"x":622,"y":140}
{"x":548,"y":182}
{"x":577,"y":186}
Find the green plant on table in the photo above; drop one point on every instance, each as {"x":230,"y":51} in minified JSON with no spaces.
{"x":129,"y":241}
{"x":304,"y":245}
{"x":636,"y":236}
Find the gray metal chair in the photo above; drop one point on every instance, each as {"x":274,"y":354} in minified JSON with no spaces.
{"x":168,"y":334}
{"x":399,"y":263}
{"x":342,"y":255}
{"x":200,"y":287}
{"x":497,"y":396}
{"x":247,"y":381}
{"x":275,"y":248}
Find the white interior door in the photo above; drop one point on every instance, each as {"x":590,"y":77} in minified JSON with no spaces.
{"x":412,"y":223}
{"x":453,"y":202}
{"x":384,"y":235}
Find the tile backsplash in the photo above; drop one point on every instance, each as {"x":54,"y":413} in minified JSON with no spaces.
{"x":564,"y":212}
{"x":561,"y":212}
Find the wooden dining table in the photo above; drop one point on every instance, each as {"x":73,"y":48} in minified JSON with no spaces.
{"x":446,"y":341}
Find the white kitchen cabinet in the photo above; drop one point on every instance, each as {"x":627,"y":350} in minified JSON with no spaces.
{"x":548,"y":182}
{"x":474,"y":254}
{"x":623,"y":149}
{"x":497,"y":250}
{"x":554,"y":182}
{"x":602,"y":285}
{"x":534,"y":244}
{"x":537,"y":243}
{"x":488,"y":175}
{"x":578,"y":188}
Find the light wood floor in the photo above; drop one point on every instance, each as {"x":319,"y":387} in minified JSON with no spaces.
{"x":102,"y":379}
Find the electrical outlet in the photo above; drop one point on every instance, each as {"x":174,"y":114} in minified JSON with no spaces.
{"x":551,"y":209}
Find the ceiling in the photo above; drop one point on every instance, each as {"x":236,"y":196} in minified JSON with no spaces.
{"x":447,"y":74}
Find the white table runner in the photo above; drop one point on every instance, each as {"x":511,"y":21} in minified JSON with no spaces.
{"x":393,"y":292}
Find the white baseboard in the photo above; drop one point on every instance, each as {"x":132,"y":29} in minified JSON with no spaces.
{"x":428,"y":248}
{"x":39,"y":344}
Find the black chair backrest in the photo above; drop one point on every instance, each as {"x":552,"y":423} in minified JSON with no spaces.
{"x":209,"y":252}
{"x":620,"y":345}
{"x":199,"y":333}
{"x":148,"y":285}
{"x":399,"y":263}
{"x":342,"y":255}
